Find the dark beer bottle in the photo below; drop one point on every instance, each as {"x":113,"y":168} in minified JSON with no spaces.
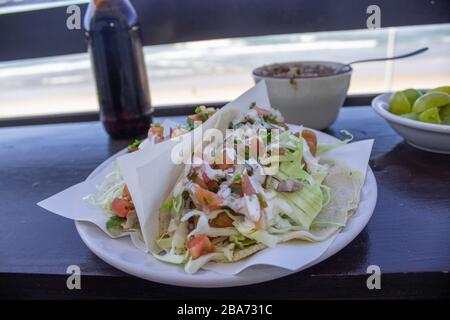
{"x":115,"y":46}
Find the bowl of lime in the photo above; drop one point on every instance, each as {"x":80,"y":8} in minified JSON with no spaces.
{"x":421,"y":118}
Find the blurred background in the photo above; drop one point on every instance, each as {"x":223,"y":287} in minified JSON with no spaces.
{"x":220,"y":70}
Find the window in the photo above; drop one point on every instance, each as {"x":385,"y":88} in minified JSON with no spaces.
{"x":219,"y":70}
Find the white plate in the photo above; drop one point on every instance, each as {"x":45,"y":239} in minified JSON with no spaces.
{"x":425,"y":136}
{"x":123,"y":255}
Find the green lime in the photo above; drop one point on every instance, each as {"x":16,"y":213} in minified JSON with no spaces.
{"x":445,"y":89}
{"x":444,"y":114}
{"x":430,"y":100}
{"x":411,"y":115}
{"x":430,"y":115}
{"x":444,"y":111}
{"x":412,"y":95}
{"x":399,"y":103}
{"x":446,"y":121}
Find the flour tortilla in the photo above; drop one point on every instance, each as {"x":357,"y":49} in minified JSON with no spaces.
{"x":152,"y":181}
{"x":345,"y":188}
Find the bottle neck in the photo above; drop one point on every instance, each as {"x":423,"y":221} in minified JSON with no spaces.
{"x":110,"y":3}
{"x":118,"y":9}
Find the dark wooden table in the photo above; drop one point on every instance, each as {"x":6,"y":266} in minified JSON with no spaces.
{"x":408,"y":236}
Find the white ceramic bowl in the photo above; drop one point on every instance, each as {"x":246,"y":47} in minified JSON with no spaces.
{"x":422,"y":135}
{"x":311,"y":101}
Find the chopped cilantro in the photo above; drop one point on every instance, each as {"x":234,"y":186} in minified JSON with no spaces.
{"x":270,"y":118}
{"x":269,"y":137}
{"x":167,"y":205}
{"x":132,"y":147}
{"x":247,"y":152}
{"x":190,"y":124}
{"x":207,"y":200}
{"x":114,"y":224}
{"x":236,"y":189}
{"x":273,"y":119}
{"x":204,"y":115}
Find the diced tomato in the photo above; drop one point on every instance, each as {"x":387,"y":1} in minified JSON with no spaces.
{"x":205,"y":177}
{"x":262,"y":112}
{"x":207,"y":199}
{"x":200,"y":177}
{"x":157,"y":131}
{"x":210,"y":184}
{"x":121,"y":207}
{"x":221,"y":221}
{"x":311,"y":140}
{"x":197,"y":117}
{"x":177,"y":132}
{"x":247,"y":187}
{"x":126,"y":193}
{"x":200,"y":245}
{"x":197,"y":179}
{"x":204,"y":174}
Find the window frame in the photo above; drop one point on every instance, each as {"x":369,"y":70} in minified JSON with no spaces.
{"x":33,"y":34}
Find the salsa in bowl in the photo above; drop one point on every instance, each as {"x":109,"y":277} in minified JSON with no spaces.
{"x":296,"y":70}
{"x":307,"y":92}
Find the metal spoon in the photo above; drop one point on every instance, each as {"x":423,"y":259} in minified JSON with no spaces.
{"x":385,"y":58}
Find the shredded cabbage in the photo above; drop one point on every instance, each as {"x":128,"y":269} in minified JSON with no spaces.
{"x":308,"y":202}
{"x":179,"y":237}
{"x":193,"y":265}
{"x":293,"y":170}
{"x":110,"y":188}
{"x":286,"y":140}
{"x":171,"y":257}
{"x":249,"y":230}
{"x":324,"y":147}
{"x":313,"y":235}
{"x":242,"y":241}
{"x":164,"y":243}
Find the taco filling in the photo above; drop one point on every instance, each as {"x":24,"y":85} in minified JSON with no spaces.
{"x":256,"y":191}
